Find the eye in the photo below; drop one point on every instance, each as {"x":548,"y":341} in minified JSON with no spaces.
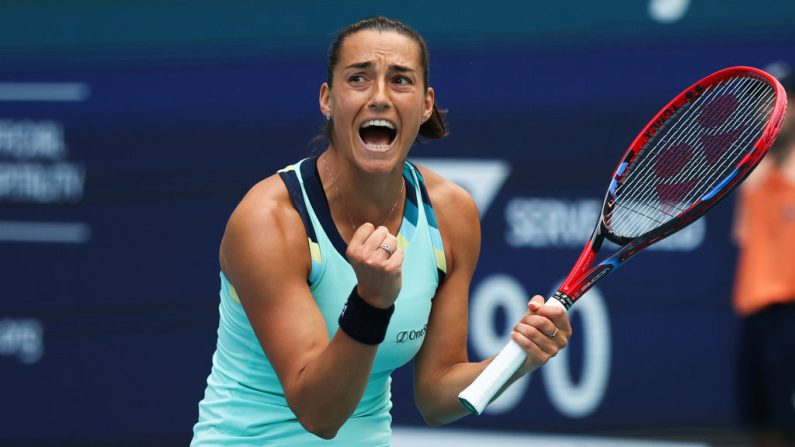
{"x":357,"y":79}
{"x":402,"y":80}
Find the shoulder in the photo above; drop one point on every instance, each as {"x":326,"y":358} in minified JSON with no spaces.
{"x":447,"y":196}
{"x":264,"y":223}
{"x":457,"y":217}
{"x":266,"y":203}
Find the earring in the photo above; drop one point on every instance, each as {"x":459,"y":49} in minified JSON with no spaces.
{"x":328,"y":116}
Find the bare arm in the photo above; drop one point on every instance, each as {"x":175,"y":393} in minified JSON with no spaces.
{"x":441,"y":368}
{"x":265,"y":255}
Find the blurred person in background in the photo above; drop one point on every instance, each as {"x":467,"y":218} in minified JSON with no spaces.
{"x":764,"y":292}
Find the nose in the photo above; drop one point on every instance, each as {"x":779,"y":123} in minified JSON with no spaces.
{"x":380,"y":101}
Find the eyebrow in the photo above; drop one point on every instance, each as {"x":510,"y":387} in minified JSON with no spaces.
{"x":392,"y":67}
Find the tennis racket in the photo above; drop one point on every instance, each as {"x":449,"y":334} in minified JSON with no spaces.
{"x":688,"y":157}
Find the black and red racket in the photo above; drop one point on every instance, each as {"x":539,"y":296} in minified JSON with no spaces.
{"x":688,"y":157}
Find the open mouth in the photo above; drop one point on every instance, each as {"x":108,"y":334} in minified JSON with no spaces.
{"x":377,"y":134}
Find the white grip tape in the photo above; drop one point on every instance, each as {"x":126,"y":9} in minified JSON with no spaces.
{"x":479,"y":393}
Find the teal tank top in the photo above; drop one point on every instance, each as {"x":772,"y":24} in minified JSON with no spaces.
{"x":244,"y":401}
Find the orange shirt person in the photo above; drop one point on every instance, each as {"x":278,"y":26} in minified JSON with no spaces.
{"x":764,"y":290}
{"x":765,"y":232}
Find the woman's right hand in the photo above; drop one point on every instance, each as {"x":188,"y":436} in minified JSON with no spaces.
{"x":379,"y":272}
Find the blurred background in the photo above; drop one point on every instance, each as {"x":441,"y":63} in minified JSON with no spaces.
{"x":129,"y":130}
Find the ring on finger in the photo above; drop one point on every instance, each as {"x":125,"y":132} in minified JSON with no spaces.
{"x":387,"y":248}
{"x":554,"y":333}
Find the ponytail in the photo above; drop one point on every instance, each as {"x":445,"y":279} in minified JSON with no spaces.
{"x":436,"y":127}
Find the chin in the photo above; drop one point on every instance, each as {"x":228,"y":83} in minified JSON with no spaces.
{"x":380,"y":161}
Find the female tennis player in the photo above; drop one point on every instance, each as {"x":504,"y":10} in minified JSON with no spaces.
{"x":338,"y":270}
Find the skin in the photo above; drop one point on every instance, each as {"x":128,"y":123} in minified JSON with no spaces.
{"x":379,"y":76}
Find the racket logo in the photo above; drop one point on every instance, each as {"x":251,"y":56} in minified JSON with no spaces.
{"x":596,"y":278}
{"x":669,"y":111}
{"x":664,"y":116}
{"x":717,"y":145}
{"x":671,"y":162}
{"x":717,"y":112}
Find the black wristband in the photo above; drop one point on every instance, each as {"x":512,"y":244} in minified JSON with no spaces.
{"x":363,"y":322}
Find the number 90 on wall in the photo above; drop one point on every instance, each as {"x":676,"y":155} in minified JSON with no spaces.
{"x":503,"y":293}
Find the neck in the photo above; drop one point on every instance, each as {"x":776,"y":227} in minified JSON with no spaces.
{"x":356,"y":198}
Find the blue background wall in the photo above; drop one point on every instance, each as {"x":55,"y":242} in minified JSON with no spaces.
{"x":129,"y":131}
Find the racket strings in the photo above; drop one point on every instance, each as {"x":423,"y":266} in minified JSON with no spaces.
{"x":725,"y":138}
{"x":642,"y":214}
{"x":690,"y":154}
{"x":731,"y":146}
{"x":699,"y":167}
{"x":670,"y":207}
{"x":642,"y":168}
{"x":666,"y":200}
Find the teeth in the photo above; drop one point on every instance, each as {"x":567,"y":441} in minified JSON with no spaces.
{"x":379,"y":123}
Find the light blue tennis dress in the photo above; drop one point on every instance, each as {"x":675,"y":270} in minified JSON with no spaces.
{"x":244,"y":403}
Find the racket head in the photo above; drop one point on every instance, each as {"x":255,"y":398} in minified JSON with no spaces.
{"x":694,"y":151}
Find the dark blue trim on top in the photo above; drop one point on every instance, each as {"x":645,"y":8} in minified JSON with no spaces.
{"x":290,"y":179}
{"x":319,"y":202}
{"x":430,"y":215}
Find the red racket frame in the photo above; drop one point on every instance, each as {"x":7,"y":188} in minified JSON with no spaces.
{"x":582,"y":276}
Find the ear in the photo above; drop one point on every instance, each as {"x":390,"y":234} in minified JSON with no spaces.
{"x":427,"y":106}
{"x":325,"y":99}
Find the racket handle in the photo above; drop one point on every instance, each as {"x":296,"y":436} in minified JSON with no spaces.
{"x":482,"y":390}
{"x":479,"y":393}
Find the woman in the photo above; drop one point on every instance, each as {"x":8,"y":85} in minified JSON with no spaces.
{"x":327,"y":266}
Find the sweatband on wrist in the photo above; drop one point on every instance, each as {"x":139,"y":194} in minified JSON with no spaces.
{"x":363,"y":322}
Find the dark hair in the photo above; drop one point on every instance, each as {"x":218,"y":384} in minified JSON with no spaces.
{"x":435,"y":127}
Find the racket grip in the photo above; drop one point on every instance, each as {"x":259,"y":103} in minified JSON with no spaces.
{"x":482,"y":390}
{"x":479,"y":393}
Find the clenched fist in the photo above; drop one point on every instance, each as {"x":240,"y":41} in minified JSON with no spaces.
{"x":378,"y":263}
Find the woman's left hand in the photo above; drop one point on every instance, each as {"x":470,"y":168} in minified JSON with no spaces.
{"x":541,"y":333}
